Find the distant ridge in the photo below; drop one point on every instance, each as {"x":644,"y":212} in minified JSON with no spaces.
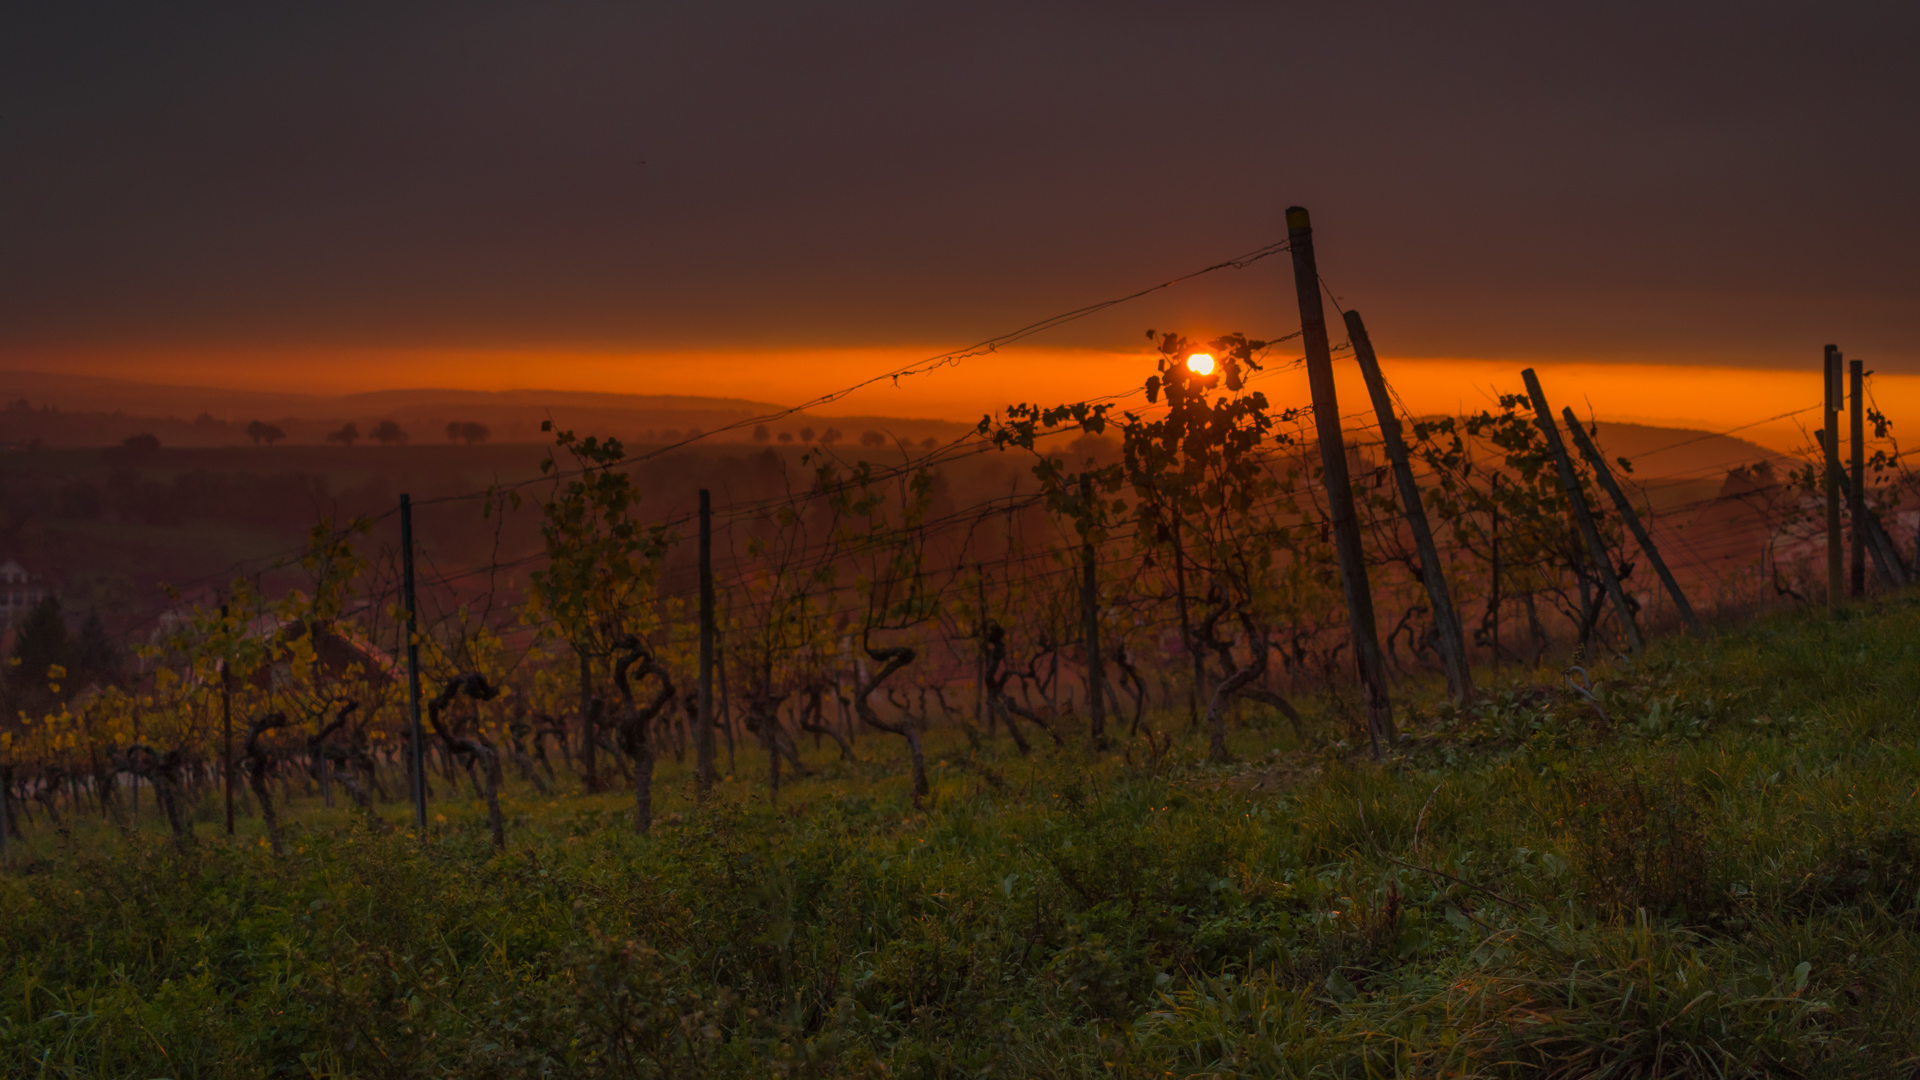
{"x":86,"y":410}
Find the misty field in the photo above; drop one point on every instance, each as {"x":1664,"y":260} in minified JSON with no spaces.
{"x":1711,"y":868}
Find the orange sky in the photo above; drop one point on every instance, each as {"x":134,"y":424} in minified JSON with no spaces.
{"x":1713,"y":398}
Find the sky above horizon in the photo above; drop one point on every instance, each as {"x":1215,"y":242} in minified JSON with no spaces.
{"x":772,"y":201}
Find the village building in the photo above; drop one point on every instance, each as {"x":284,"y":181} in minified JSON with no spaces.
{"x":20,"y":590}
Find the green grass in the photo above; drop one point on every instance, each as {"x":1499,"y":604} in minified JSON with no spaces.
{"x":1719,"y":878}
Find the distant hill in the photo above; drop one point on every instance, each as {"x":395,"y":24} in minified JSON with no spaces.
{"x":1669,"y":452}
{"x":80,"y":410}
{"x":90,"y":411}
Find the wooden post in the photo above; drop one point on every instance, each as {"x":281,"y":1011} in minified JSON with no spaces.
{"x":1857,"y":503}
{"x":1453,"y":644}
{"x":1620,"y":501}
{"x":1879,"y":544}
{"x":419,"y":747}
{"x":1090,"y":615}
{"x":1570,"y":481}
{"x":1333,"y":462}
{"x":703,"y":739}
{"x":1836,"y":565}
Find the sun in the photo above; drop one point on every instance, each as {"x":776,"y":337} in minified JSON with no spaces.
{"x":1200,"y":364}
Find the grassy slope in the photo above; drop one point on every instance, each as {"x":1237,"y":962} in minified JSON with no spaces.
{"x":1721,"y":880}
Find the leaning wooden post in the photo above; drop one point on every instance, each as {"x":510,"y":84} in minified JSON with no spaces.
{"x":1570,"y":481}
{"x":703,"y":726}
{"x":1857,"y":504}
{"x":1605,"y":475}
{"x":1453,"y":644}
{"x":1879,"y":544}
{"x":1333,"y":462}
{"x":1090,"y":614}
{"x":1836,"y":565}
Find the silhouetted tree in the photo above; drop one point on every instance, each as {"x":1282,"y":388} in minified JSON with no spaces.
{"x":140,"y":444}
{"x":40,"y":646}
{"x":872,"y":438}
{"x":760,"y":433}
{"x":96,"y":657}
{"x":346,"y":436}
{"x":262,"y":432}
{"x":806,"y":434}
{"x":467,"y":431}
{"x":786,"y":436}
{"x":387,"y":433}
{"x":830,"y":436}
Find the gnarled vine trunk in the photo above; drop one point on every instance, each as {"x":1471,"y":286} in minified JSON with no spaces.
{"x":636,"y":735}
{"x":474,"y":748}
{"x":1239,"y":681}
{"x":891,"y":661}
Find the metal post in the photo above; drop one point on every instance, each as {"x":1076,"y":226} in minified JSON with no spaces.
{"x":589,"y":738}
{"x":980,"y":713}
{"x":226,"y":727}
{"x":1857,"y":505}
{"x":413,"y":668}
{"x":1605,"y":475}
{"x":1186,"y":626}
{"x":1453,"y":645}
{"x":1333,"y":461}
{"x":703,"y":740}
{"x":1493,"y":599}
{"x":1090,"y":615}
{"x":1836,"y":562}
{"x":1570,"y":481}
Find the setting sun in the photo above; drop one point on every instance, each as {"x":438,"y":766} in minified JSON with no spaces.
{"x":1200,"y":364}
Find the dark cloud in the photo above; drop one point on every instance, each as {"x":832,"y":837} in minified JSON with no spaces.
{"x":1644,"y":180}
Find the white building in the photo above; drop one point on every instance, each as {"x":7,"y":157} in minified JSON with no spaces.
{"x":19,"y":591}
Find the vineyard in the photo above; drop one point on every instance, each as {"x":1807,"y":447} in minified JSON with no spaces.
{"x":1176,"y":731}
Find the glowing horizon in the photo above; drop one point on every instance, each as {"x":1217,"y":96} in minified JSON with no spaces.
{"x":1712,"y":398}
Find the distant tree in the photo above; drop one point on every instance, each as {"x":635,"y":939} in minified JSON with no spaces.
{"x":208,"y":420}
{"x":806,"y":434}
{"x":42,"y":652}
{"x":760,"y":433}
{"x":140,"y":444}
{"x":96,"y":658}
{"x":19,"y":405}
{"x":786,"y":436}
{"x":262,"y":432}
{"x":467,"y":431}
{"x":929,"y":443}
{"x":670,"y":435}
{"x":830,"y":436}
{"x":872,"y":438}
{"x":346,"y":436}
{"x":387,"y":433}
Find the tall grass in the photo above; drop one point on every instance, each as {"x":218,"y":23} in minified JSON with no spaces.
{"x":1710,"y":868}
